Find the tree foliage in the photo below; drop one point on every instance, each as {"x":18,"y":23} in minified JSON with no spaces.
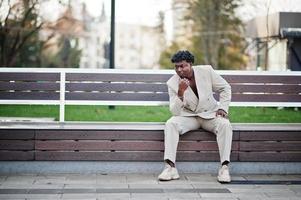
{"x":216,"y":37}
{"x":68,"y":56}
{"x":165,"y":56}
{"x":20,"y":41}
{"x":218,"y":33}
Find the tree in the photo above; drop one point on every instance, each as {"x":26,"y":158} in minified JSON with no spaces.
{"x":160,"y":30}
{"x":67,"y":56}
{"x":63,"y":50}
{"x":19,"y":39}
{"x":216,"y":35}
{"x":165,"y":56}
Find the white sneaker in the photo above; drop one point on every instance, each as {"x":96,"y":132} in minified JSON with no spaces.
{"x":224,"y":175}
{"x":169,"y":173}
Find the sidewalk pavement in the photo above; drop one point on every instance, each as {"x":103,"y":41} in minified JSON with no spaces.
{"x":146,"y":187}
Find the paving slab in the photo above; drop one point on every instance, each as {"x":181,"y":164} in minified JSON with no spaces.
{"x":146,"y":186}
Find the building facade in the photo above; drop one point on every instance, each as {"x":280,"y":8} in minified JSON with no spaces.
{"x":136,"y":46}
{"x":276,"y":40}
{"x":182,"y":28}
{"x":96,"y":36}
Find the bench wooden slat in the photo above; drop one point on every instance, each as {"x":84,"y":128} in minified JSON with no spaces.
{"x":286,"y":89}
{"x":270,"y":146}
{"x":29,"y":76}
{"x":99,"y":135}
{"x":127,"y":156}
{"x":100,"y":145}
{"x":117,"y":77}
{"x":270,"y":136}
{"x":270,"y":156}
{"x":198,"y":135}
{"x":16,"y":144}
{"x":202,"y":146}
{"x":102,"y":87}
{"x":29,"y":86}
{"x":16,"y":134}
{"x":265,"y":98}
{"x":125,"y":145}
{"x":33,"y":95}
{"x":207,"y":156}
{"x":117,"y":96}
{"x":285,"y":79}
{"x":98,"y":156}
{"x":16,"y":155}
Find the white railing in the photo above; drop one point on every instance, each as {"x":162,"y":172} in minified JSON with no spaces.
{"x":142,"y":71}
{"x":62,"y":102}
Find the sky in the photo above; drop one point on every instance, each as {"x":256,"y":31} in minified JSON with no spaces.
{"x":254,"y":8}
{"x":145,"y":12}
{"x":132,"y":11}
{"x":128,"y":11}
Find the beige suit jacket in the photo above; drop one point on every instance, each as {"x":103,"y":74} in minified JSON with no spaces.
{"x":207,"y":82}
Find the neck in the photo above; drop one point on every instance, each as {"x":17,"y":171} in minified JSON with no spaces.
{"x":191,"y":75}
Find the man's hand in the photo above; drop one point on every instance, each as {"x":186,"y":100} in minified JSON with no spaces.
{"x":222,"y":113}
{"x":183,"y":85}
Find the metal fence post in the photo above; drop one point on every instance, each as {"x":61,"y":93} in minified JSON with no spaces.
{"x":62,"y":96}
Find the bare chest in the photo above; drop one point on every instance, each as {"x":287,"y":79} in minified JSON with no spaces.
{"x":193,"y":87}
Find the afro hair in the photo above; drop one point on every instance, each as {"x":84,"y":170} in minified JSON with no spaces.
{"x":182,"y":55}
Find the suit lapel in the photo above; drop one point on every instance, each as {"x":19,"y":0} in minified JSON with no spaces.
{"x":190,"y":98}
{"x":173,"y":82}
{"x":200,"y":83}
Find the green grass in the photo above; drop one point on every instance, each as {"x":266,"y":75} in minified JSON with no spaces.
{"x":145,"y":114}
{"x":119,"y":113}
{"x":264,"y":115}
{"x":29,"y":111}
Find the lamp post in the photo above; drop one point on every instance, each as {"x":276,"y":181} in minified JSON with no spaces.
{"x":112,"y":42}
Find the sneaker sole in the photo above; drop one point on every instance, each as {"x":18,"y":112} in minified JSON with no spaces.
{"x":224,"y":181}
{"x":169,"y":179}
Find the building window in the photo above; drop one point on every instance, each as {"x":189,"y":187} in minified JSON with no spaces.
{"x":98,"y":64}
{"x":99,"y":53}
{"x":261,"y":57}
{"x":86,"y":65}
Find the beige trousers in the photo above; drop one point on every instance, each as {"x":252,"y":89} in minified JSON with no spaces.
{"x":178,"y":125}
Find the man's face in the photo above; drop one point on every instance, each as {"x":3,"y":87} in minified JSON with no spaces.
{"x":183,"y":69}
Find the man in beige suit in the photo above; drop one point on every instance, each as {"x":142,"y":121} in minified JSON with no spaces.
{"x":193,"y":106}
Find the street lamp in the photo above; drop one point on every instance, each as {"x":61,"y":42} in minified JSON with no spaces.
{"x":112,"y":42}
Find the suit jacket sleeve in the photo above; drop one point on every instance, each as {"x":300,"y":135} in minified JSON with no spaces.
{"x":221,"y":86}
{"x":175,"y":103}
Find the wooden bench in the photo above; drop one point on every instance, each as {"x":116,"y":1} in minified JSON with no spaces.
{"x":139,"y":141}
